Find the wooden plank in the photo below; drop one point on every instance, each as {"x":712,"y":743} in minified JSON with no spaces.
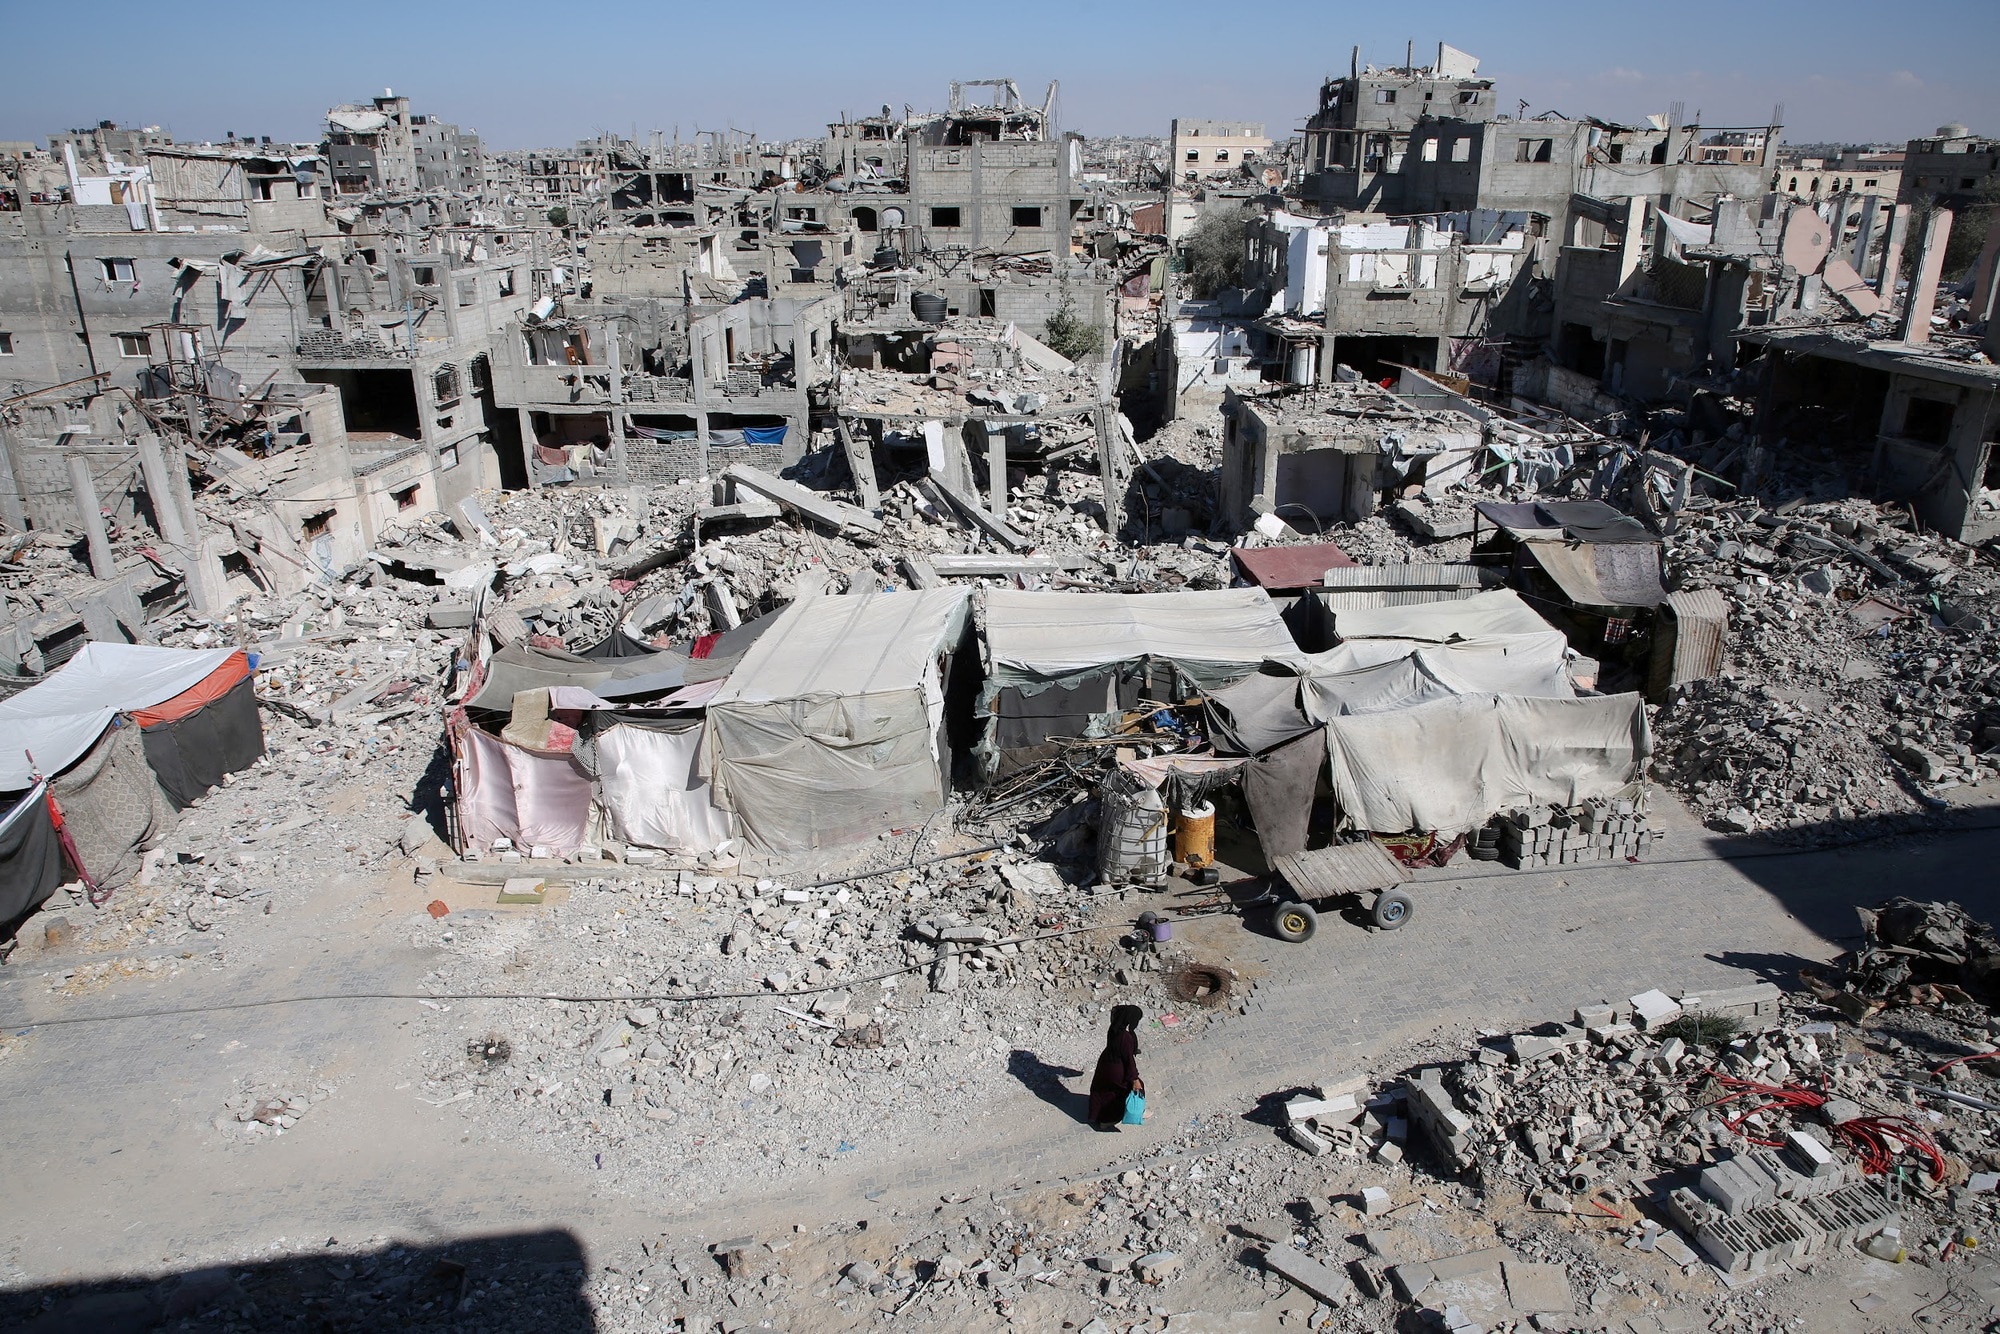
{"x":820,"y":509}
{"x":1349,"y":868}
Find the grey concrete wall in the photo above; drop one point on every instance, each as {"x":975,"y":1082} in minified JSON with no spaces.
{"x":985,"y":181}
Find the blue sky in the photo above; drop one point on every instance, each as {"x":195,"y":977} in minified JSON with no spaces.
{"x":539,"y":74}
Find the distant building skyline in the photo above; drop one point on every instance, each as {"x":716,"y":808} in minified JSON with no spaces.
{"x":467,"y":66}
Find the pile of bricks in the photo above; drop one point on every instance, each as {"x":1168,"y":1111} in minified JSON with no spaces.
{"x":1762,"y":1207}
{"x":1563,"y":835}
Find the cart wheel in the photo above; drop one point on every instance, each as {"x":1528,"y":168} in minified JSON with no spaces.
{"x":1392,"y":909}
{"x":1295,"y":922}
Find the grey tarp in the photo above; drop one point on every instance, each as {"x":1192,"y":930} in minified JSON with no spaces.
{"x":521,"y":666}
{"x":1214,"y":637}
{"x":1533,"y":665}
{"x":829,"y":729}
{"x":31,"y":860}
{"x":1447,"y":766}
{"x":1278,"y":787}
{"x":1588,"y":520}
{"x":1499,"y":612}
{"x":1257,"y":714}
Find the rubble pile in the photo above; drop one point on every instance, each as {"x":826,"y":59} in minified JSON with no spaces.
{"x":262,"y":1111}
{"x":847,"y":1015}
{"x":1766,"y":1136}
{"x":1862,"y":676}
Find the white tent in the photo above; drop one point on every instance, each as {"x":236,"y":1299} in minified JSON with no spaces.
{"x":828,"y":730}
{"x":60,"y":718}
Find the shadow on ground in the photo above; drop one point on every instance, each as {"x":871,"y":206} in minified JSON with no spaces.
{"x":1045,"y":1082}
{"x":1822,"y":872}
{"x":528,"y":1281}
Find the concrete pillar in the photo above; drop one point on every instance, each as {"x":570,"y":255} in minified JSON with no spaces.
{"x":1924,"y":277}
{"x":166,"y":509}
{"x":207,"y":581}
{"x":996,"y":469}
{"x":1635,"y":228}
{"x":11,"y":510}
{"x":1892,"y":253}
{"x":90,"y":512}
{"x":1864,"y":234}
{"x":617,"y":398}
{"x":1986,"y":279}
{"x":528,"y":442}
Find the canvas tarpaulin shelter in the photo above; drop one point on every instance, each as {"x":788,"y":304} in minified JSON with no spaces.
{"x":1498,"y":612}
{"x":650,"y":783}
{"x":1214,"y":637}
{"x":1060,"y":664}
{"x":1378,"y":675}
{"x":521,"y":666}
{"x":61,"y":718}
{"x":1262,"y":717}
{"x":829,"y":728}
{"x":31,"y":861}
{"x":506,"y":791}
{"x":1448,"y":765}
{"x":203,"y":733}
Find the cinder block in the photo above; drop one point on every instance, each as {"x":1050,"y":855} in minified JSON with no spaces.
{"x":1323,"y":1282}
{"x":1809,"y":1156}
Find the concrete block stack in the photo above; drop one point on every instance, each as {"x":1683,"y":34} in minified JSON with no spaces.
{"x":1565,"y":835}
{"x":1759,"y":1207}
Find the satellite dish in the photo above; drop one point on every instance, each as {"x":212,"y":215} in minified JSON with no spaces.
{"x":892,"y":217}
{"x":1808,"y":240}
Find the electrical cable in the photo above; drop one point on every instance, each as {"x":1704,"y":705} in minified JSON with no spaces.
{"x":23,"y":1026}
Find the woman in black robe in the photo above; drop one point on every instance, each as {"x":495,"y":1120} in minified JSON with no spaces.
{"x":1117,"y":1071}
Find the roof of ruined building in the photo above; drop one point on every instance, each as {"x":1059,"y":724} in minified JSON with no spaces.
{"x":1951,"y":362}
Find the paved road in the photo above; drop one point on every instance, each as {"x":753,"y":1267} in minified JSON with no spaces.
{"x":115,"y":1168}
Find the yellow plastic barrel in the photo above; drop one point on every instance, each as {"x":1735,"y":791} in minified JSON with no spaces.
{"x":1194,"y":836}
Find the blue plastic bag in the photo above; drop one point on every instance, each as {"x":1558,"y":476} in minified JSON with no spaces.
{"x":1135,"y":1109}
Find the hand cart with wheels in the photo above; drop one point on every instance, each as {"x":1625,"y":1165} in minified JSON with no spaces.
{"x":1360,"y":873}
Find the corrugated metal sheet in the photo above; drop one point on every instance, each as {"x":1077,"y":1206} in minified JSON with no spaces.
{"x":1362,"y":578}
{"x":1375,"y":599}
{"x":1701,"y":621}
{"x":1350,"y":868}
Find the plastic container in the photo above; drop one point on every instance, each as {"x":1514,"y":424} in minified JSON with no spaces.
{"x":928,"y":307}
{"x":1886,"y":1245}
{"x":1132,"y":841}
{"x":1194,"y":836}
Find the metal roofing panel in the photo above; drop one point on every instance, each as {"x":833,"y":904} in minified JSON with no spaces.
{"x":1701,"y":622}
{"x":1374,"y":599}
{"x":1299,"y":566}
{"x":1592,"y":574}
{"x":1415,"y":575}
